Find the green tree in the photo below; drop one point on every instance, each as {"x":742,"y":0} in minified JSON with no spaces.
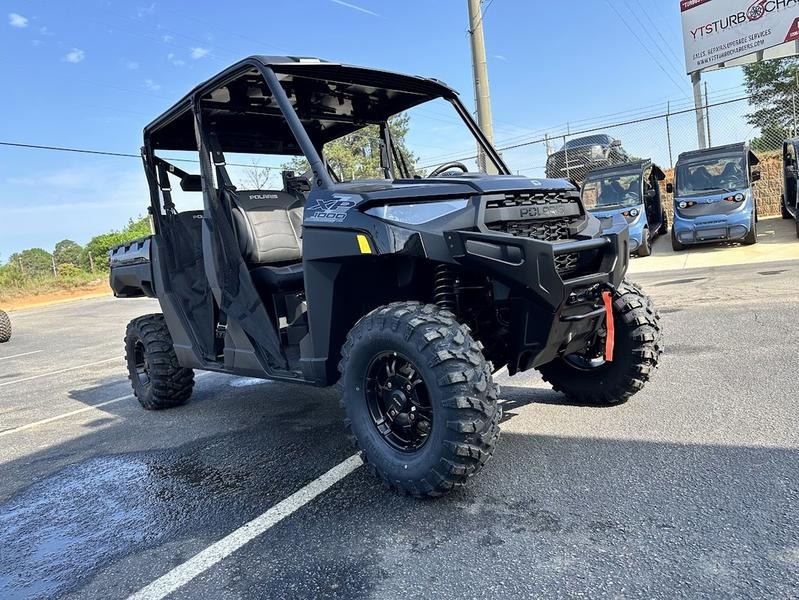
{"x":357,"y":155}
{"x":67,"y":252}
{"x":772,"y":86}
{"x":32,"y":262}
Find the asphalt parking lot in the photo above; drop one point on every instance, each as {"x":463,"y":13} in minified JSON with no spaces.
{"x":688,"y":490}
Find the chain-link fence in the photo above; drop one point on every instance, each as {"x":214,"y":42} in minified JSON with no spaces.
{"x":570,"y":152}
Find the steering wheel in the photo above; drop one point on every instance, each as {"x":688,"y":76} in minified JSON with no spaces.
{"x":447,"y":166}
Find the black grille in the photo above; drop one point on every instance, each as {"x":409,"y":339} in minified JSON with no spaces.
{"x":546,"y":230}
{"x":534,"y":199}
{"x":549,"y":230}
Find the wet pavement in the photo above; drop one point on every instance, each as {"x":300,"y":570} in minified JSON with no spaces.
{"x":688,"y":490}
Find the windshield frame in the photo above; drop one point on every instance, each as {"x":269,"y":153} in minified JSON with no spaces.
{"x":708,"y":160}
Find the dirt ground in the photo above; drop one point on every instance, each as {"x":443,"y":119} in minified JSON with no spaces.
{"x":94,"y":290}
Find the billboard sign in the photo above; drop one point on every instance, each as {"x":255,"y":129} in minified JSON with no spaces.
{"x":724,"y":33}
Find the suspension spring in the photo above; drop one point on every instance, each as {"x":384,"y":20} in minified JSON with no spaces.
{"x":444,"y":287}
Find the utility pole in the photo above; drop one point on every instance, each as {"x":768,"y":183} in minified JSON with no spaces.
{"x":707,"y":117}
{"x":701,"y":128}
{"x":482,"y":96}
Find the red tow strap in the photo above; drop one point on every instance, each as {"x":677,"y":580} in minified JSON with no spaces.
{"x":607,"y":299}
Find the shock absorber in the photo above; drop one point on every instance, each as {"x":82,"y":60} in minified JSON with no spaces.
{"x":444,"y":287}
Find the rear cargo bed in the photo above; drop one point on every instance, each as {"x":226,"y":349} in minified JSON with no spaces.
{"x":131,"y":274}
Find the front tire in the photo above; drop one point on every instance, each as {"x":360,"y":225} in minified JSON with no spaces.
{"x":676,"y":245}
{"x":5,"y":327}
{"x":638,"y":346}
{"x":645,"y":249}
{"x":157,"y":378}
{"x":751,"y":236}
{"x":419,"y":399}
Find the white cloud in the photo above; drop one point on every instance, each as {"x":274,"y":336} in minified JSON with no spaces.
{"x":500,"y":57}
{"x":355,"y":7}
{"x":37,"y":42}
{"x":175,"y":60}
{"x":199,"y":52}
{"x":144,"y":11}
{"x":75,"y":55}
{"x":168,"y":39}
{"x":16,"y":20}
{"x":45,"y":31}
{"x":131,"y":64}
{"x":151,"y":85}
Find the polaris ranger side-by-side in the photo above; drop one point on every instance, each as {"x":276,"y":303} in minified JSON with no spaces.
{"x":410,"y":288}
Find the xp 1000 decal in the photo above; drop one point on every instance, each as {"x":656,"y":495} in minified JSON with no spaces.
{"x":330,"y":211}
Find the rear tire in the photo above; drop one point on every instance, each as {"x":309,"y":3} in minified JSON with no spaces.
{"x":751,"y":236}
{"x":796,"y":221}
{"x":157,"y":378}
{"x":664,"y":225}
{"x":783,"y":209}
{"x":5,"y":327}
{"x":645,"y":249}
{"x":443,"y":380}
{"x":675,"y":244}
{"x":638,"y":346}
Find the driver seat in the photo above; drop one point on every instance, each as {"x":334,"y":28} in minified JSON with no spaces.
{"x":269,"y":227}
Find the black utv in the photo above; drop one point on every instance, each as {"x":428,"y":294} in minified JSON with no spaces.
{"x":789,"y":202}
{"x":409,"y":288}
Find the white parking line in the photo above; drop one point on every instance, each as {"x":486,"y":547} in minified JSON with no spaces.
{"x":199,"y":563}
{"x":63,"y":415}
{"x":19,"y":355}
{"x":78,"y":411}
{"x":49,"y":373}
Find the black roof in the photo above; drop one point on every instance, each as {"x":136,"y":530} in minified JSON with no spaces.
{"x":740,"y":147}
{"x":331,"y":99}
{"x":626,"y":167}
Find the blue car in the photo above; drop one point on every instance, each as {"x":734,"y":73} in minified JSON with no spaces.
{"x":632,"y":191}
{"x":713,"y":196}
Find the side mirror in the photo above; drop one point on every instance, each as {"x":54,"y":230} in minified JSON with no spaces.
{"x":669,"y":188}
{"x":755,"y":176}
{"x":191,"y":183}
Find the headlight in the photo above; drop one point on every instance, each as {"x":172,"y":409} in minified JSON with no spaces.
{"x":683,"y":204}
{"x":418,"y":213}
{"x":634,"y":212}
{"x":739,"y":197}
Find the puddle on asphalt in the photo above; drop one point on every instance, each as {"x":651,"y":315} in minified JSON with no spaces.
{"x":247,"y":381}
{"x":56,"y":532}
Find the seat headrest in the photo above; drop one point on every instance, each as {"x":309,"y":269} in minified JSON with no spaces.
{"x":266,"y":199}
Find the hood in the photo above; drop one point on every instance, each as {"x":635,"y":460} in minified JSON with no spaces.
{"x":466,"y":185}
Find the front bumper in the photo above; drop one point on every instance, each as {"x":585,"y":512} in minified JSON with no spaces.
{"x":712,"y":228}
{"x":550,"y":314}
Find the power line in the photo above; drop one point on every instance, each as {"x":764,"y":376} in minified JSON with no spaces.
{"x":644,"y":46}
{"x":654,"y":42}
{"x":117,"y":154}
{"x":644,"y":10}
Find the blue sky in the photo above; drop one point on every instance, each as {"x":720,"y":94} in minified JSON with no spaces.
{"x":91,"y":74}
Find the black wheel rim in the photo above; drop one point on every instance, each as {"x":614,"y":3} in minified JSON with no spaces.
{"x":398,"y":401}
{"x":141,"y":364}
